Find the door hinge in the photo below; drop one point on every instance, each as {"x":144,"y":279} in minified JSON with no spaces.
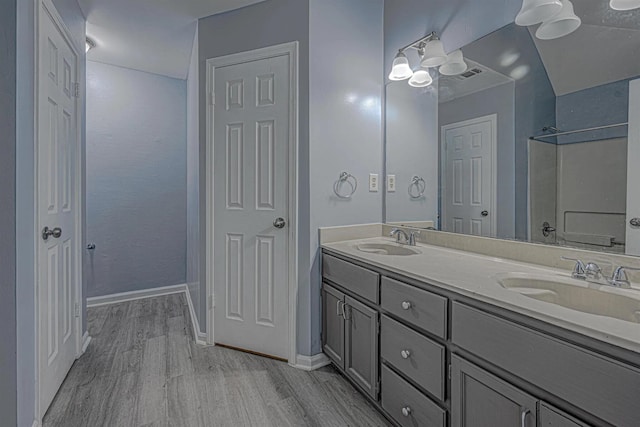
{"x":378,"y":327}
{"x":76,"y":310}
{"x":212,"y":98}
{"x":212,"y":301}
{"x":76,"y":90}
{"x":377,"y":387}
{"x":449,"y":371}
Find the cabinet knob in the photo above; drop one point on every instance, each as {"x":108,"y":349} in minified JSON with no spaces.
{"x":406,"y":305}
{"x":406,"y":411}
{"x":405,"y":354}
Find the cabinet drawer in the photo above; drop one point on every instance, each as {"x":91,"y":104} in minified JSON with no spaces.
{"x":425,"y":310}
{"x":414,"y":355}
{"x":356,"y":279}
{"x":552,"y":417}
{"x":397,"y":394}
{"x":606,"y":388}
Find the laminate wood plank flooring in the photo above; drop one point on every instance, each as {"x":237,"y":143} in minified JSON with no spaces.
{"x":143,"y":369}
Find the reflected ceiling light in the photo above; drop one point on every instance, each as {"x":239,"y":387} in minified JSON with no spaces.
{"x":89,"y":44}
{"x":401,"y":69}
{"x":561,"y":24}
{"x":421,"y":78}
{"x":455,"y":64}
{"x":624,"y":4}
{"x":536,"y":11}
{"x":434,"y":54}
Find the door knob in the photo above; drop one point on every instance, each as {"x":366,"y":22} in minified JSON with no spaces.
{"x":55,"y":233}
{"x":484,"y":213}
{"x":635,"y":222}
{"x":279,"y":223}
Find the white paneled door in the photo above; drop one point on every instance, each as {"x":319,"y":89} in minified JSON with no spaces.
{"x":56,"y":208}
{"x":251,"y":206}
{"x":468,"y":189}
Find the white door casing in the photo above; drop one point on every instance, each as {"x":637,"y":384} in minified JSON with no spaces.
{"x":633,"y":172}
{"x":469,"y":183}
{"x":251,"y":182}
{"x":58,"y":165}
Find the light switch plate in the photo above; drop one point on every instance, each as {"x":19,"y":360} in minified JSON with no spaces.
{"x":391,"y":183}
{"x":373,"y":182}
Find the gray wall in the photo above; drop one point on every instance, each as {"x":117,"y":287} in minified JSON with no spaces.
{"x":264,"y":24}
{"x":25,"y":221}
{"x":196,"y":287}
{"x":345,"y":125}
{"x":597,"y":106}
{"x":412,"y":135}
{"x":497,"y":100}
{"x":8,"y":377}
{"x":136,"y":180}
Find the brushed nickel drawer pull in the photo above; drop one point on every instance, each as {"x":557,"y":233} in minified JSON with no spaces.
{"x":406,"y":305}
{"x":523,"y":418}
{"x":406,"y":411}
{"x":405,"y":354}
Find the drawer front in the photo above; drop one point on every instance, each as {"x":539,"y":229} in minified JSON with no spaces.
{"x":356,"y":279}
{"x":397,"y":394}
{"x":603,"y":387}
{"x":414,"y":355}
{"x":423,"y":309}
{"x":552,"y":417}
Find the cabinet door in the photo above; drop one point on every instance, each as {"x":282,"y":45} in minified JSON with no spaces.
{"x":333,"y":324}
{"x":554,"y":417}
{"x":361,"y":346}
{"x":479,"y":399}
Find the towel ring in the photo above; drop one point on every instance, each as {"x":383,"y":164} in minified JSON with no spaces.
{"x":418,"y":184}
{"x":345,"y":177}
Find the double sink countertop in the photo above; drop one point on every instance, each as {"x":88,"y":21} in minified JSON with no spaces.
{"x":478,"y":277}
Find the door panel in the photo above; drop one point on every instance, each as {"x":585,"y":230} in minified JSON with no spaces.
{"x":361,"y":345}
{"x":333,"y":324}
{"x":478,"y":399}
{"x":251,"y":188}
{"x":468,"y":166}
{"x":56,"y":148}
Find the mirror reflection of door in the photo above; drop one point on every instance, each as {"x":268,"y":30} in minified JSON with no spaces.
{"x":468,"y":184}
{"x":633,"y":172}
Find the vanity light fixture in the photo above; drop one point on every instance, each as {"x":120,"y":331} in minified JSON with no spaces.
{"x":561,"y":24}
{"x":432,"y":54}
{"x":536,"y":11}
{"x":455,"y":64}
{"x":89,"y":44}
{"x":624,"y":4}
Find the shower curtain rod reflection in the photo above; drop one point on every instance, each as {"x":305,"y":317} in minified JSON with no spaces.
{"x":553,"y":135}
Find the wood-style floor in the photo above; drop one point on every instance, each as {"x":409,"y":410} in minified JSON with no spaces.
{"x":143,"y":368}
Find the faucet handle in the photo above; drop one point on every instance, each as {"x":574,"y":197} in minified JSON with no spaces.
{"x":412,"y":237}
{"x":619,"y":277}
{"x":579,"y":270}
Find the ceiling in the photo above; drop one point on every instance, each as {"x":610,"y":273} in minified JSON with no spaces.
{"x":155,"y":36}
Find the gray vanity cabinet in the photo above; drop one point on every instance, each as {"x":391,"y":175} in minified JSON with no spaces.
{"x":361,"y":345}
{"x":479,"y":399}
{"x":333,"y":324}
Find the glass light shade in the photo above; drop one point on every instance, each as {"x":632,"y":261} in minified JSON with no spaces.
{"x":536,"y":11}
{"x":560,"y":25}
{"x":421,"y":78}
{"x":455,"y":65}
{"x":624,"y":4}
{"x":401,"y":69}
{"x":434,"y":55}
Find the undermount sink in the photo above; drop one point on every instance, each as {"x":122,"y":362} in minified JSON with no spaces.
{"x":577,"y":295}
{"x":387,"y":249}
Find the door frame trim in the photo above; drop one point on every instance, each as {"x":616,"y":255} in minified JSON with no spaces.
{"x":287,"y":49}
{"x":40,"y":7}
{"x":493,"y":118}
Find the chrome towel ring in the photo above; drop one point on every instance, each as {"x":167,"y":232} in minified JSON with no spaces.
{"x":345,"y":178}
{"x":417,"y":187}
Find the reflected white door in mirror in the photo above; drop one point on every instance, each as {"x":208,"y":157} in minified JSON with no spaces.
{"x":468,"y":176}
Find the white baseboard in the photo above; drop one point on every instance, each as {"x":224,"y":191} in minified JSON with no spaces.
{"x":200,"y":337}
{"x":36,"y":423}
{"x":311,"y":363}
{"x":86,"y":339}
{"x":135,"y":295}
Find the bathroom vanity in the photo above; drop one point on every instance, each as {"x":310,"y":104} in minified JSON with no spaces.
{"x":432,"y":338}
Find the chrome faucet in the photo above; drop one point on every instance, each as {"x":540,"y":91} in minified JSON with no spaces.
{"x":579,"y":270}
{"x":619,"y":277}
{"x":409,"y":239}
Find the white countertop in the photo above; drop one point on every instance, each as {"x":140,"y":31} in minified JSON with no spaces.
{"x":476,"y":275}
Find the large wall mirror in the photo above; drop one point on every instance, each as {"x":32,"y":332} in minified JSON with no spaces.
{"x":529,"y":140}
